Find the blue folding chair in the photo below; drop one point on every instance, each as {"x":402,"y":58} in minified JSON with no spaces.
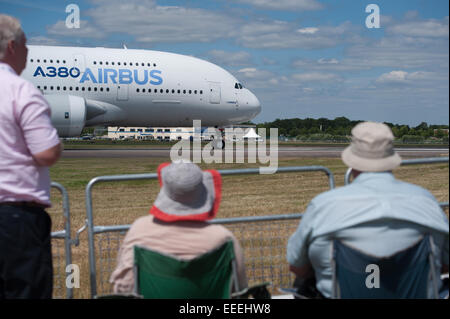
{"x":405,"y":274}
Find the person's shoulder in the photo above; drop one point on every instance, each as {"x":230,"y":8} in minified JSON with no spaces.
{"x":413,"y":189}
{"x":334,"y":193}
{"x":143,"y":221}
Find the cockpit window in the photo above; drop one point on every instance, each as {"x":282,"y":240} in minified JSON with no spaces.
{"x":238,"y":86}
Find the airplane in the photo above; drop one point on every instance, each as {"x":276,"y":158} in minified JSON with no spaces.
{"x":128,"y":87}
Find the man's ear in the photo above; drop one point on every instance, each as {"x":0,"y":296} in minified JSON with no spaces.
{"x":11,"y":46}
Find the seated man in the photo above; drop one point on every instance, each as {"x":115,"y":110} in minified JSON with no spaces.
{"x":376,"y":213}
{"x":177,"y":224}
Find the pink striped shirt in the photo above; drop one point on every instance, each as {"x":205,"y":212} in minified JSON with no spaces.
{"x":25,"y":129}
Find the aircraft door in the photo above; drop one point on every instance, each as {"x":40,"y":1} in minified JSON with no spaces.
{"x":122,"y":92}
{"x":214,"y":92}
{"x":79,"y":63}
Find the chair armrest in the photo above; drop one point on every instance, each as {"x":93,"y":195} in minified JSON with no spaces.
{"x":293,"y":292}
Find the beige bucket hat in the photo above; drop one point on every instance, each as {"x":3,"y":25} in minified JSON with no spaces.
{"x":371,"y":149}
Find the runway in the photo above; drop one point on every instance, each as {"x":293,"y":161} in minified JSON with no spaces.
{"x":283,"y":151}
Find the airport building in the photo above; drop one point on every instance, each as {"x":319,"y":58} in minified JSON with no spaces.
{"x":168,"y":133}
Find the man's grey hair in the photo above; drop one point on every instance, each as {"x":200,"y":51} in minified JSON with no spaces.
{"x":10,"y":29}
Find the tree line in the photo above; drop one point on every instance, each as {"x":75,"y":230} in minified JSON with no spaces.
{"x":339,"y":129}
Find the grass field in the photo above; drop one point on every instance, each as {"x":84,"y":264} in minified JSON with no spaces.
{"x":243,"y":195}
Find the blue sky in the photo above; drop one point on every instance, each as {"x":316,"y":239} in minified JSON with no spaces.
{"x":302,"y":58}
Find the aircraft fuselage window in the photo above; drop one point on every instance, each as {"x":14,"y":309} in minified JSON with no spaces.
{"x":137,"y":90}
{"x":167,"y":91}
{"x":118,"y":63}
{"x":57,"y":61}
{"x":124,"y":63}
{"x":95,"y":89}
{"x":31,"y":60}
{"x":76,"y":88}
{"x":107,"y":89}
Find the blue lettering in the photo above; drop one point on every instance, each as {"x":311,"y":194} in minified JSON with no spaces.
{"x":100,"y":76}
{"x":63,"y":72}
{"x":51,"y":71}
{"x":73,"y":75}
{"x":39,"y":71}
{"x":87,"y":75}
{"x":112,"y":76}
{"x":125,"y":76}
{"x":136,"y":78}
{"x":156,"y":77}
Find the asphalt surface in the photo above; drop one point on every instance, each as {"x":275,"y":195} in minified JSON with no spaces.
{"x":282,"y":152}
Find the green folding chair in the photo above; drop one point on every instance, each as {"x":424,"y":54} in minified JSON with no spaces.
{"x":209,"y":276}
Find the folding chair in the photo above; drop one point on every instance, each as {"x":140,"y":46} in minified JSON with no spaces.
{"x":404,"y":274}
{"x":209,"y":276}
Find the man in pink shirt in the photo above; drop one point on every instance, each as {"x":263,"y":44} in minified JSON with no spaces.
{"x":29,"y":144}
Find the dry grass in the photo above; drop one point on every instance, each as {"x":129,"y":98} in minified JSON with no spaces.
{"x":121,"y":203}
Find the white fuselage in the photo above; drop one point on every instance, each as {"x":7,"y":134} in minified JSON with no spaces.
{"x":143,"y":88}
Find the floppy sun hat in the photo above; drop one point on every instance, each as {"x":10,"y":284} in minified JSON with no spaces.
{"x":371,"y":149}
{"x":187,"y":193}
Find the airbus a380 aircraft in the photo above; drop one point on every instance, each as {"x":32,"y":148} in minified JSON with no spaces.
{"x":124,"y":87}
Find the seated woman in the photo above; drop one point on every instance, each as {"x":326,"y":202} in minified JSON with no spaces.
{"x":177,"y":223}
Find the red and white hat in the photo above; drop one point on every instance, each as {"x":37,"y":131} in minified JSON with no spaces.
{"x":187,"y":193}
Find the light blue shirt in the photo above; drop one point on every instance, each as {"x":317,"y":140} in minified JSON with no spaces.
{"x":376,"y":214}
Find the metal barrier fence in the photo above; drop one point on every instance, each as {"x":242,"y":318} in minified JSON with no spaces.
{"x":270,"y":234}
{"x":59,"y":268}
{"x":430,"y":160}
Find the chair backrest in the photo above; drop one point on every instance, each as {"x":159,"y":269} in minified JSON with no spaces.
{"x":405,"y":274}
{"x":163,"y":276}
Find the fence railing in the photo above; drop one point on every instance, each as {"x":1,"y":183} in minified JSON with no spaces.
{"x":93,"y":230}
{"x":430,"y":160}
{"x":59,"y":272}
{"x":263,"y":238}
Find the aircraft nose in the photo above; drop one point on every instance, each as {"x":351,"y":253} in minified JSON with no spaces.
{"x":253,"y":104}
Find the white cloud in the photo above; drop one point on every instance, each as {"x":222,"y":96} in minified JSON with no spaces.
{"x":150,"y":23}
{"x":297,"y":5}
{"x":310,"y":30}
{"x":230,"y":58}
{"x":393,"y":77}
{"x":271,"y":34}
{"x":86,"y":30}
{"x":316,"y":77}
{"x":429,"y":28}
{"x":41,"y":40}
{"x":417,"y":78}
